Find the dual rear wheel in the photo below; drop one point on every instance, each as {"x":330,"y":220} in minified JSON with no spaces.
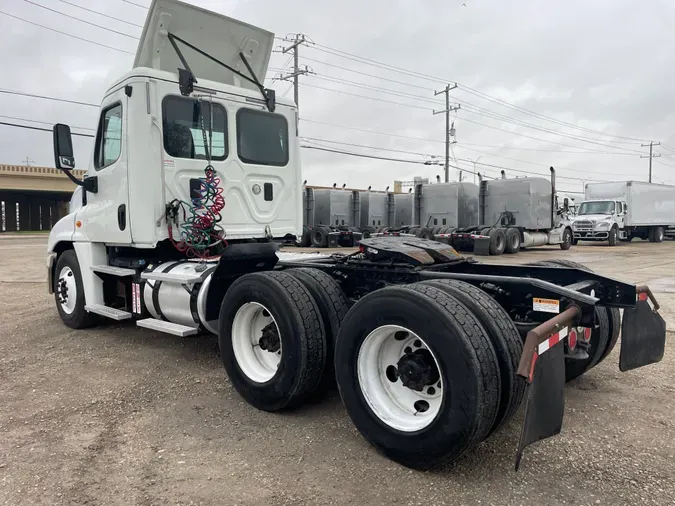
{"x":426,"y":371}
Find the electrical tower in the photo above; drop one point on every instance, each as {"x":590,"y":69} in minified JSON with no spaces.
{"x":28,"y":161}
{"x":297,"y":41}
{"x":651,"y":155}
{"x":447,"y":112}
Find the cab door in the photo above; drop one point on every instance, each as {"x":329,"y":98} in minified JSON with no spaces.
{"x":104,"y":218}
{"x":620,"y":214}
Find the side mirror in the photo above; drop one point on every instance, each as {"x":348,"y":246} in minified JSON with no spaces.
{"x":64,"y":157}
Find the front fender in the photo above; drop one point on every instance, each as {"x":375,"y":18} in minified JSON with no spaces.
{"x":62,"y":231}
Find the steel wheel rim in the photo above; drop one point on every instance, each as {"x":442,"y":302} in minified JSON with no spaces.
{"x":257,"y":364}
{"x":66,"y":289}
{"x":390,"y":401}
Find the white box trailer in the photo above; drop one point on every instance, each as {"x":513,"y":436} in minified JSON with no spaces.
{"x":623,"y":210}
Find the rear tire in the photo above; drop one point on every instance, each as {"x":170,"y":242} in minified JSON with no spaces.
{"x":460,"y":368}
{"x":497,"y":241}
{"x":658,"y":234}
{"x":261,"y":302}
{"x":333,"y":306}
{"x":512,"y":241}
{"x":504,"y":336}
{"x":319,"y":237}
{"x":69,"y":292}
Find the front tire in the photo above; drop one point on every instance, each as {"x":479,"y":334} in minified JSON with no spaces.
{"x":417,"y":374}
{"x":567,"y":240}
{"x":272,"y":340}
{"x":613,"y":236}
{"x":69,"y":292}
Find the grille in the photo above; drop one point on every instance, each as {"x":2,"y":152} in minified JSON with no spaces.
{"x":584,"y":225}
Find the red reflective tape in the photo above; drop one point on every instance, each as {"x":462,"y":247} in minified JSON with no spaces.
{"x":552,"y":341}
{"x":643,"y":296}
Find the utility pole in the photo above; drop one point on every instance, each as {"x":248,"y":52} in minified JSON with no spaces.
{"x":297,"y":41}
{"x":651,"y":155}
{"x":28,"y":161}
{"x":447,"y":112}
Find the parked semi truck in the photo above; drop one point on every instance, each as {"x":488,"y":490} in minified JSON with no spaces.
{"x":331,"y":218}
{"x":516,"y":213}
{"x":621,"y":211}
{"x":195,"y":175}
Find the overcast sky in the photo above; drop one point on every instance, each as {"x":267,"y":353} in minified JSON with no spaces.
{"x":601,"y":65}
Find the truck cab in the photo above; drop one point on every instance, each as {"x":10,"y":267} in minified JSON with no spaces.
{"x":160,"y":129}
{"x":597,"y":220}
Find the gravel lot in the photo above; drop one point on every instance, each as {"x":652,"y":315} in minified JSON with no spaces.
{"x":122,"y":415}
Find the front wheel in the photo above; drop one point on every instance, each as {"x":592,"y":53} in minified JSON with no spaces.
{"x":613,"y":236}
{"x":69,"y":292}
{"x":567,"y":240}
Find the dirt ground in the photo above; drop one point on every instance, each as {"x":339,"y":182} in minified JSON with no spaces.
{"x":122,"y":415}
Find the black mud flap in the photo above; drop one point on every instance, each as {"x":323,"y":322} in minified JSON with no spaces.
{"x":643,"y":337}
{"x":481,"y":246}
{"x":545,"y":399}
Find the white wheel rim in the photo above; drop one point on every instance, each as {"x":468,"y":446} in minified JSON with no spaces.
{"x":257,"y":364}
{"x":66,"y":289}
{"x":393,"y":403}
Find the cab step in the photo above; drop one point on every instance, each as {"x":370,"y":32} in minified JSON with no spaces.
{"x":115,"y":271}
{"x":175,"y":329}
{"x":175,"y":277}
{"x":108,"y":312}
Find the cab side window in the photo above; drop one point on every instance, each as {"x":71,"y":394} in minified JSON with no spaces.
{"x":109,"y":137}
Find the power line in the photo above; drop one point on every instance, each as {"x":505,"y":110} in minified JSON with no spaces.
{"x":464,"y":119}
{"x":81,"y":20}
{"x":101,"y":13}
{"x":499,"y":101}
{"x":11,"y":92}
{"x":507,"y":119}
{"x":134,"y":3}
{"x":329,"y":141}
{"x":41,"y":129}
{"x":369,"y":98}
{"x":66,"y":34}
{"x":368,"y":75}
{"x":362,"y":155}
{"x":419,"y":75}
{"x":534,"y":163}
{"x":43,"y":122}
{"x":479,"y":110}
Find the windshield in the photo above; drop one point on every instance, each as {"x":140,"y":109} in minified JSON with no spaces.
{"x":604,"y":207}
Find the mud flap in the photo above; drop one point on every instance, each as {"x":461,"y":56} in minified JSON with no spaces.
{"x":545,"y":399}
{"x":481,"y":246}
{"x":643,"y":336}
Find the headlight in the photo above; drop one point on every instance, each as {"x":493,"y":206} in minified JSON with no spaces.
{"x":602,"y":225}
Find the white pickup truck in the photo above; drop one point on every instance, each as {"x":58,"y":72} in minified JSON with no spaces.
{"x":614,"y":211}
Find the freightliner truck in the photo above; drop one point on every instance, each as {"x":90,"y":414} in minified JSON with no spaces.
{"x":621,"y":211}
{"x":195,"y":176}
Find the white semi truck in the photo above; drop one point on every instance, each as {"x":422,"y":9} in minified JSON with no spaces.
{"x":195,"y":176}
{"x":621,"y":211}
